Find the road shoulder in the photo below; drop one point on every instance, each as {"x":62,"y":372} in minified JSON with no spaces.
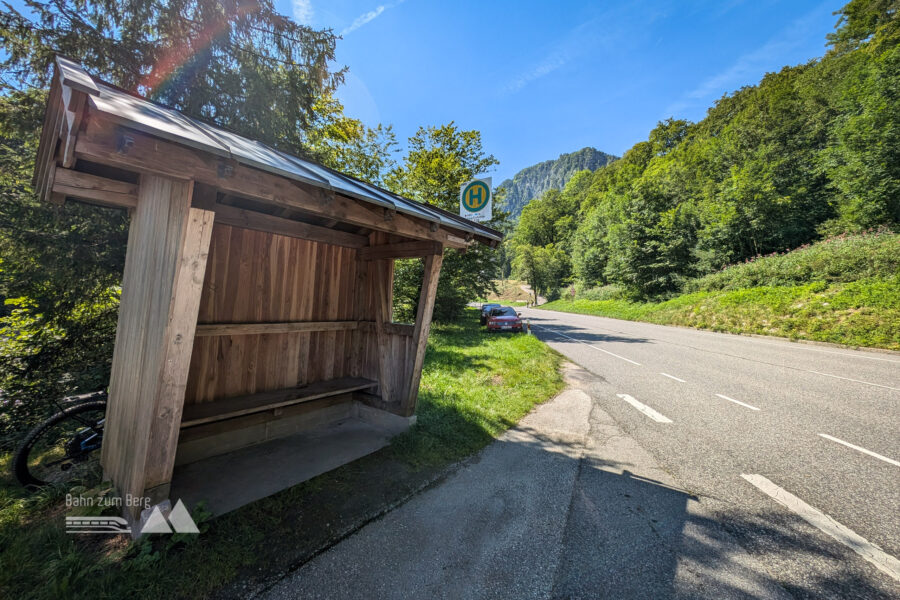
{"x":562,"y":505}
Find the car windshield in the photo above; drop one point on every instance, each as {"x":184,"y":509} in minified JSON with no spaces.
{"x":504,"y":311}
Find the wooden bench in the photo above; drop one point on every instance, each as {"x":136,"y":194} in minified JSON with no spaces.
{"x":219,"y":410}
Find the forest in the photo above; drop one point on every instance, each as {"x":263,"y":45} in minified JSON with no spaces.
{"x":236,"y":63}
{"x":810,"y":152}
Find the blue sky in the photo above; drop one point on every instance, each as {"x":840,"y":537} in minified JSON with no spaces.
{"x":542,"y":78}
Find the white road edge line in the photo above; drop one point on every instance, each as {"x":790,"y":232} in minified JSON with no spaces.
{"x":659,"y":418}
{"x":869,"y":551}
{"x":672,"y":377}
{"x":863,"y":450}
{"x":745,"y":405}
{"x":588,"y":345}
{"x":800,"y":346}
{"x":855,"y":380}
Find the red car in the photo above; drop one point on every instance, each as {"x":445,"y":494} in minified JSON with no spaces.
{"x":504,"y":318}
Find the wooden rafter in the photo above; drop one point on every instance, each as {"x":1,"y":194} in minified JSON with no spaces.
{"x":101,"y":141}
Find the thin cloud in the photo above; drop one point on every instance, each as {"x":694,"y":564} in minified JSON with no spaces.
{"x":368,"y":17}
{"x":750,"y":66}
{"x":582,"y":39}
{"x":303,"y":11}
{"x":551,"y":63}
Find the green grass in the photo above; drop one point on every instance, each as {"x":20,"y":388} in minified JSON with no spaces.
{"x":473,"y":388}
{"x":845,"y":290}
{"x":860,"y":313}
{"x":841,"y":259}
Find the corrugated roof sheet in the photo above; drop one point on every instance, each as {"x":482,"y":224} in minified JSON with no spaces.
{"x":151,"y":118}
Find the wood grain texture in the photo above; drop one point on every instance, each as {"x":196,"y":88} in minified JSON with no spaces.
{"x":272,"y":285}
{"x":208,"y":412}
{"x":46,"y":154}
{"x":152,"y":155}
{"x":213,"y":329}
{"x":400,"y":250}
{"x":423,"y":326}
{"x":248,"y":219}
{"x":167,"y":250}
{"x":94,"y":189}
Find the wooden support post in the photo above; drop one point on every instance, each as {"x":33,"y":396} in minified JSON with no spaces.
{"x":423,"y":326}
{"x":168,"y":244}
{"x":381,"y":275}
{"x":360,"y":311}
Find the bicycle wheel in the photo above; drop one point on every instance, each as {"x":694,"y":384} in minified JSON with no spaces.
{"x":64,"y":448}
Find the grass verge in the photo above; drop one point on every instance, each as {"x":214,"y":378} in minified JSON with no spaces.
{"x":474,"y":387}
{"x":862,"y":313}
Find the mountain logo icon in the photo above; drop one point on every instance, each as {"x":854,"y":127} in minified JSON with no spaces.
{"x":179,"y":521}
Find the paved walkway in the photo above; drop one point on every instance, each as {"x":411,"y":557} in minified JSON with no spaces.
{"x":562,"y":506}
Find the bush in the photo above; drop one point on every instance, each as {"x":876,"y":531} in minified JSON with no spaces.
{"x":841,"y":259}
{"x":603,"y":292}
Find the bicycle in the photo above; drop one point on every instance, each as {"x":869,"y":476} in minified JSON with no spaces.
{"x":62,"y":449}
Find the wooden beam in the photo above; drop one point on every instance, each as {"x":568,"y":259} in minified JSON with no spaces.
{"x":360,"y":291}
{"x":404,"y":329}
{"x":217,"y":329}
{"x":73,"y":108}
{"x":401,"y":250}
{"x":94,"y":189}
{"x":99,"y":142}
{"x":248,"y":219}
{"x":209,"y":412}
{"x":423,"y":326}
{"x":46,"y":154}
{"x":168,"y":245}
{"x":381,"y":275}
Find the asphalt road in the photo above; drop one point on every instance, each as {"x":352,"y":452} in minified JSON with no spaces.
{"x":680,"y":464}
{"x":767,"y":445}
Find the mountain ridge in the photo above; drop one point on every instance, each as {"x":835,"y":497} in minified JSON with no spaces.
{"x":532,"y":182}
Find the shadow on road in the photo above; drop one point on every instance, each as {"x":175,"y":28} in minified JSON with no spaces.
{"x":549,"y":326}
{"x":537,"y":515}
{"x":630,"y":536}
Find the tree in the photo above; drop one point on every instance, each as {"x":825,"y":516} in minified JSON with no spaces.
{"x":439,"y":160}
{"x":863,"y":162}
{"x":237,"y":63}
{"x":810,"y":150}
{"x":346,"y":144}
{"x":543,"y":267}
{"x":59,"y":268}
{"x":652,"y":248}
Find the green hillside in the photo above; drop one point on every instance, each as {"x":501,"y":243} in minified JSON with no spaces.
{"x":532,"y":182}
{"x":844,"y":290}
{"x":808,"y":153}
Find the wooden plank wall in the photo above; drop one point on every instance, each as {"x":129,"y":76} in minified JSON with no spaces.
{"x":253,"y":276}
{"x":260,"y":277}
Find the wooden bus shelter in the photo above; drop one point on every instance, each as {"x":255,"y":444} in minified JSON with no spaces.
{"x":257,"y":291}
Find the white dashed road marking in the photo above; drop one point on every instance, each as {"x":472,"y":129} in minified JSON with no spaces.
{"x":659,"y":418}
{"x":869,"y":551}
{"x":863,"y":450}
{"x":737,"y":402}
{"x":672,"y":377}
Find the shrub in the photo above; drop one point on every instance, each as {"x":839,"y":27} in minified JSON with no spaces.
{"x":840,"y":259}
